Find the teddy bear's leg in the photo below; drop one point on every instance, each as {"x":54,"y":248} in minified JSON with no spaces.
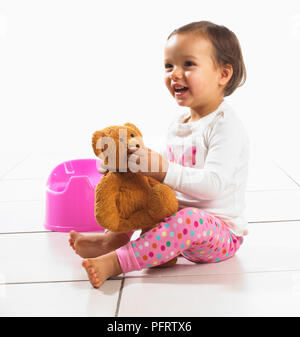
{"x":144,"y":230}
{"x":106,"y":196}
{"x":141,"y":217}
{"x":126,"y":225}
{"x":162,"y":202}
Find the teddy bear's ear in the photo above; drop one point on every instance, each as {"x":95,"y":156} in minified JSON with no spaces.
{"x":134,"y":128}
{"x":96,"y":139}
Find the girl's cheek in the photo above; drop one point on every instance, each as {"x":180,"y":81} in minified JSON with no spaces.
{"x":195,"y":81}
{"x":167,"y":81}
{"x":168,"y":84}
{"x":190,"y":78}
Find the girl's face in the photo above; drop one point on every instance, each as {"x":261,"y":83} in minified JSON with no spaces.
{"x":189,"y":64}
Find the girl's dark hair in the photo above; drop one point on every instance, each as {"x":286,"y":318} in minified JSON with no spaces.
{"x":227,"y":49}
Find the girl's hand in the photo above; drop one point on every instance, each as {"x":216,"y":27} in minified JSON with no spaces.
{"x":147,"y":162}
{"x":141,"y":160}
{"x":102,"y":168}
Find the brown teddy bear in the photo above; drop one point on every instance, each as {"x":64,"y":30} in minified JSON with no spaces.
{"x":126,"y":201}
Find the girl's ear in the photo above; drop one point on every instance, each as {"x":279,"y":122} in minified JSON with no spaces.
{"x":129,"y":125}
{"x":226,"y":72}
{"x":96,"y":142}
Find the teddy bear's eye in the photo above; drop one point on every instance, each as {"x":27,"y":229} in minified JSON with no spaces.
{"x":132,"y":135}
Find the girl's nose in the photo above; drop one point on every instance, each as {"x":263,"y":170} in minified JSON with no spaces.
{"x":176,"y":74}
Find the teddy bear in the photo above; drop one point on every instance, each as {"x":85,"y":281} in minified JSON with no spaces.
{"x":125,"y":200}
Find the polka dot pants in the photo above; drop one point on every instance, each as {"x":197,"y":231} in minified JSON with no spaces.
{"x":197,"y":235}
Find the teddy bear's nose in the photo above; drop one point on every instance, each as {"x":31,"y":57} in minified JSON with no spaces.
{"x":137,"y":145}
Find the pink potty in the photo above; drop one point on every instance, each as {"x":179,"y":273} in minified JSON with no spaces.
{"x":70,"y":196}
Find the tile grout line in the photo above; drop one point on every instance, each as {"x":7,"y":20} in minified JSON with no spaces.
{"x":287,"y":174}
{"x":271,"y":221}
{"x":32,"y":232}
{"x":50,"y":282}
{"x":40,"y":282}
{"x":14,"y":166}
{"x":48,"y":231}
{"x":214,"y":274}
{"x":123,"y":278}
{"x":119,"y":298}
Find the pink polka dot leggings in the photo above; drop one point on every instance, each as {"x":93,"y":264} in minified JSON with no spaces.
{"x":198,"y":235}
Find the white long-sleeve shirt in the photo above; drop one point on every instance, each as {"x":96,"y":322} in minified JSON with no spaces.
{"x":208,"y":165}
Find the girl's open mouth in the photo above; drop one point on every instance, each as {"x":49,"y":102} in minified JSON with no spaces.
{"x":180,"y":91}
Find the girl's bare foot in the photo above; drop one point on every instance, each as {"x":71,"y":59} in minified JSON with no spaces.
{"x":73,"y":237}
{"x":89,"y":246}
{"x":101,"y":268}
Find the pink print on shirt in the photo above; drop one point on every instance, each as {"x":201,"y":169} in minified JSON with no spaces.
{"x":188,"y":158}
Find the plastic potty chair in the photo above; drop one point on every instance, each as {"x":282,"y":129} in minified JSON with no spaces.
{"x":70,"y":196}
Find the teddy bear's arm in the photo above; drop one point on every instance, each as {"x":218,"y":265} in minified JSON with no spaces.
{"x":152,"y":181}
{"x":106,"y":195}
{"x":162,"y":202}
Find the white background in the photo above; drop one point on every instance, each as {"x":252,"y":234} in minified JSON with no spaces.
{"x":68,"y":68}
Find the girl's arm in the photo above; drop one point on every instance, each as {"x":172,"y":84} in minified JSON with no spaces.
{"x":227,"y":153}
{"x":148,"y":163}
{"x":143,"y":161}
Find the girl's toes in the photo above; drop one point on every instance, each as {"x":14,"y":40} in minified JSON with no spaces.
{"x":72,"y":239}
{"x":88,"y":267}
{"x":94,"y":279}
{"x":97,"y":285}
{"x":96,"y":282}
{"x":71,"y":243}
{"x":74,"y":235}
{"x":92,"y":273}
{"x":86,"y":264}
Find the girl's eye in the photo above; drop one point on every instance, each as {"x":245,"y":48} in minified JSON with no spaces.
{"x":189,"y":63}
{"x":168,"y":65}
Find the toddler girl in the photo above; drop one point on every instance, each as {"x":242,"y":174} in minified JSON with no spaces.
{"x":205,"y":161}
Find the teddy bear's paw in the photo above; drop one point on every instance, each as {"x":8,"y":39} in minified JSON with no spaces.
{"x":162,"y":202}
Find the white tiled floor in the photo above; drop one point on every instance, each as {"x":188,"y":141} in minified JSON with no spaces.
{"x":41,"y":276}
